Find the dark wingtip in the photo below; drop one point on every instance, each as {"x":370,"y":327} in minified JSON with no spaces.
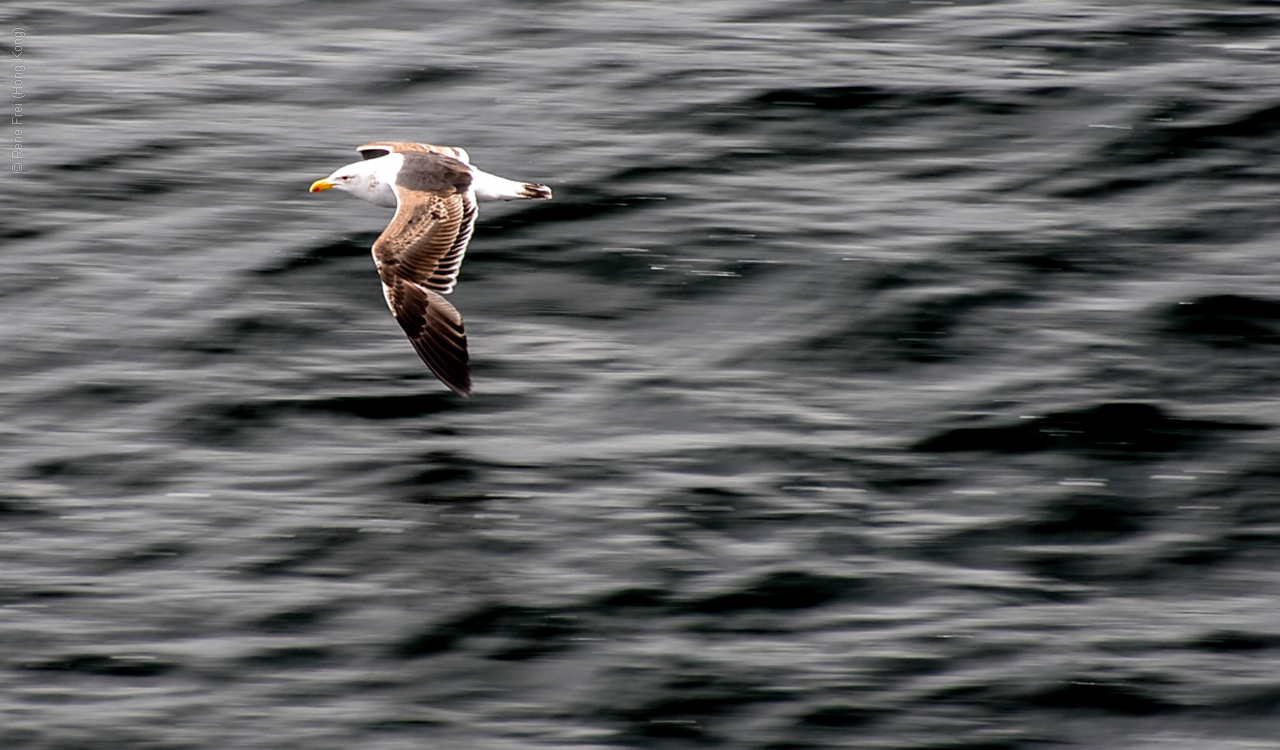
{"x":452,"y":370}
{"x":461,"y":388}
{"x":434,"y":329}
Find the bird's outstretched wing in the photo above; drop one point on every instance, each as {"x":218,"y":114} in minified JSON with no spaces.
{"x":419,"y":255}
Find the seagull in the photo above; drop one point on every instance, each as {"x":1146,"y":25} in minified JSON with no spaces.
{"x":434,"y":190}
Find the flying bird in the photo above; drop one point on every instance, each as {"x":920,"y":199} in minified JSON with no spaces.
{"x":434,"y":190}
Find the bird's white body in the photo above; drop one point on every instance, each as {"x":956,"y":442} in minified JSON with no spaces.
{"x":372,"y":181}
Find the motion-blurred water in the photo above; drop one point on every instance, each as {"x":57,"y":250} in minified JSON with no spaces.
{"x":884,"y":375}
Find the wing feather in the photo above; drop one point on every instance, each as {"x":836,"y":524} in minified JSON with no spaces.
{"x":445,"y":277}
{"x":427,"y":239}
{"x":435,"y":329}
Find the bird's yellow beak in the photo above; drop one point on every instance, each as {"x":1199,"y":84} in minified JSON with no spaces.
{"x":324,"y":184}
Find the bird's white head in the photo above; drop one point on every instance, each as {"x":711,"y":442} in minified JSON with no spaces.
{"x":368,"y":180}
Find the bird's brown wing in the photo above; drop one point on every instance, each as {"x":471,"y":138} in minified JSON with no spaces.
{"x":382,"y":148}
{"x":418,"y":257}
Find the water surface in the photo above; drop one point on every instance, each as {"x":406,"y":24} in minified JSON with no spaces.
{"x":883,"y":375}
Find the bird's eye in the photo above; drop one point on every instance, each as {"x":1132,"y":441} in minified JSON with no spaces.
{"x":346,"y":178}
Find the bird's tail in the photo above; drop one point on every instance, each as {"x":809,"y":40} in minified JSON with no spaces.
{"x":490,"y":187}
{"x":536,"y":191}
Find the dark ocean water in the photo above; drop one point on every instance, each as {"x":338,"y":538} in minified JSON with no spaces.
{"x":883,"y":375}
